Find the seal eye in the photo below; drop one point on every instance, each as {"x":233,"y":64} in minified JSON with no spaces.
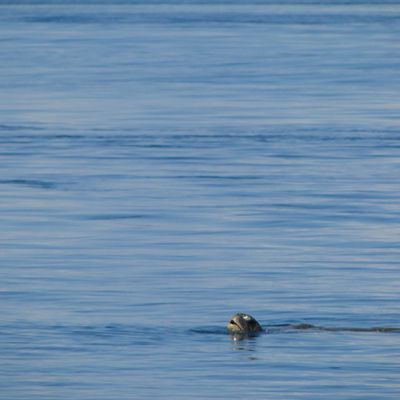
{"x":233,"y":322}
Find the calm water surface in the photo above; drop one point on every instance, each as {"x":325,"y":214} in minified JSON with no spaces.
{"x":166,"y":164}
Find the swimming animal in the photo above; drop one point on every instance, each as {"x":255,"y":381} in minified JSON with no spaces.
{"x":244,"y":324}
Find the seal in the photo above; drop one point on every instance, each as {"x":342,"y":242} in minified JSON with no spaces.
{"x":243,"y":323}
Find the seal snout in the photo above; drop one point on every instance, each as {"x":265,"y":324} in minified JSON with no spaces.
{"x":232,"y":322}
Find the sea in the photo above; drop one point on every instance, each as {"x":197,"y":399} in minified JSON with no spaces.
{"x":167,"y":164}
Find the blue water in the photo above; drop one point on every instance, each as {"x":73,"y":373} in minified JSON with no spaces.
{"x":165,"y":164}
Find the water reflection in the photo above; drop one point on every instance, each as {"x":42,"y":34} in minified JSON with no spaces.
{"x":245,"y":343}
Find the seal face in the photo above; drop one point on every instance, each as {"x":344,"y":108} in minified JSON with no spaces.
{"x":243,"y":323}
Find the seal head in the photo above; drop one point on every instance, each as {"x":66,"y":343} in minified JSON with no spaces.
{"x":243,"y":323}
